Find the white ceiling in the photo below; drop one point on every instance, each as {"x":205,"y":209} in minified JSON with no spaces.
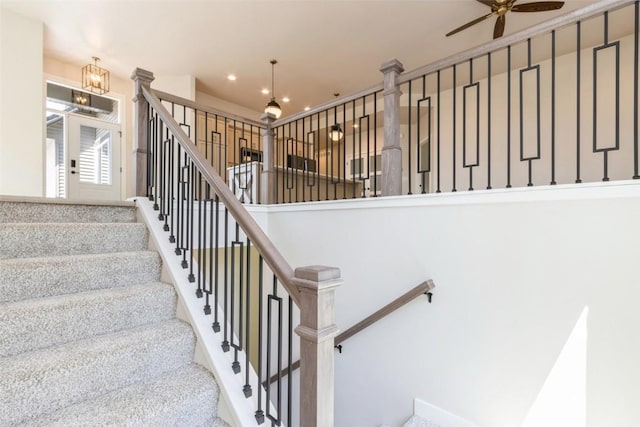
{"x":321,"y":46}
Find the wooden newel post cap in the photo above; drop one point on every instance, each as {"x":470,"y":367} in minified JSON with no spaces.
{"x":317,"y":273}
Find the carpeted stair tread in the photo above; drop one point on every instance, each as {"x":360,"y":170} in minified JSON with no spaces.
{"x":43,"y":381}
{"x":23,"y":240}
{"x":39,"y":323}
{"x":23,"y":278}
{"x":64,"y":212}
{"x":187,"y":396}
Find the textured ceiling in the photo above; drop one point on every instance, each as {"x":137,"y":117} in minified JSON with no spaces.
{"x":322,"y":46}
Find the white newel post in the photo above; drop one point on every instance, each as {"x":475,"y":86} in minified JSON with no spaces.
{"x":392,"y":151}
{"x":141,"y":110}
{"x":268,"y":195}
{"x":317,"y":330}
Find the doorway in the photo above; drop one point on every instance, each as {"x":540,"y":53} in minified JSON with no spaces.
{"x":83,"y":145}
{"x":94,"y":159}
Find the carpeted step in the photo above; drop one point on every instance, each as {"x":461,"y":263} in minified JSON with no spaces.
{"x":37,"y":239}
{"x":185,"y":397}
{"x":25,"y":278}
{"x":40,"y":210}
{"x":43,"y":381}
{"x":42,"y":322}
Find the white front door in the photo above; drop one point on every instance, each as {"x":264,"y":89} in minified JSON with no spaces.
{"x":93,"y":161}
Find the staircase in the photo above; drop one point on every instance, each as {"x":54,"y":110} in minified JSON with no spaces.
{"x":88,"y":333}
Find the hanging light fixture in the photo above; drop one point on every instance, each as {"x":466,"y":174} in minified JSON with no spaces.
{"x":94,"y":78}
{"x":79,"y":97}
{"x":273,"y":107}
{"x":335,"y":132}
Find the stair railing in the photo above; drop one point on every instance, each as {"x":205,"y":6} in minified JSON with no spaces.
{"x":228,"y":258}
{"x":423,"y":288}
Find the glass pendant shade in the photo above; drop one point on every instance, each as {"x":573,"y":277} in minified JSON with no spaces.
{"x":273,"y":108}
{"x":335,"y":133}
{"x":95,"y":79}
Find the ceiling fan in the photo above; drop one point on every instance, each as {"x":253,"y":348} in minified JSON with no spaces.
{"x":500,"y":8}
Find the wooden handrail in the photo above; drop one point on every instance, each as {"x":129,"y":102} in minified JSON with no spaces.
{"x":329,"y":104}
{"x":497,"y":44}
{"x":531,"y":32}
{"x":190,"y":104}
{"x":263,"y":244}
{"x":421,"y":289}
{"x":405,"y":298}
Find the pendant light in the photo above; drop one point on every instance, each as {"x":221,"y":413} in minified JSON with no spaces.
{"x":95,"y":79}
{"x":273,"y":107}
{"x":335,"y":133}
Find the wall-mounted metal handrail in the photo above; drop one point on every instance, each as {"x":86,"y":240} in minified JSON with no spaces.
{"x":423,"y":288}
{"x":407,"y":297}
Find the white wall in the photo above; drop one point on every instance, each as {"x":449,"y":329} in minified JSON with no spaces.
{"x":183,"y":86}
{"x":21,"y":106}
{"x":226,"y":106}
{"x":514,"y":270}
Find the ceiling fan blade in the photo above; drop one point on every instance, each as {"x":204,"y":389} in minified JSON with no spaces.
{"x":469,"y":24}
{"x":498,"y":30}
{"x":486,"y":2}
{"x":540,"y":6}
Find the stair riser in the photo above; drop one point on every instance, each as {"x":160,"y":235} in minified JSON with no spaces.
{"x":43,"y":322}
{"x":50,"y":212}
{"x":45,"y":381}
{"x":36,"y":240}
{"x":43,"y":277}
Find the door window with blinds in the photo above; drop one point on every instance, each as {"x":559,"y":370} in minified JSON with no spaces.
{"x":95,"y":155}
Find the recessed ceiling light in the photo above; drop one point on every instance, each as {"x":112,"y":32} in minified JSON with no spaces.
{"x":285,"y":99}
{"x":307,"y":108}
{"x":265,"y":91}
{"x":232,"y":77}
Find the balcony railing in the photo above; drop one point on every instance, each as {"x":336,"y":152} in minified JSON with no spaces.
{"x":554,"y":104}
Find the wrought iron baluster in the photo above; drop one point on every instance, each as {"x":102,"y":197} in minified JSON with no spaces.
{"x":488,"y":122}
{"x":409,"y":139}
{"x":225,"y":342}
{"x":553,"y":108}
{"x":509,"y":116}
{"x":246,"y":389}
{"x":454,"y":130}
{"x":438,"y":190}
{"x":259,"y":415}
{"x":636,"y":43}
{"x":578,"y":100}
{"x":216,"y":260}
